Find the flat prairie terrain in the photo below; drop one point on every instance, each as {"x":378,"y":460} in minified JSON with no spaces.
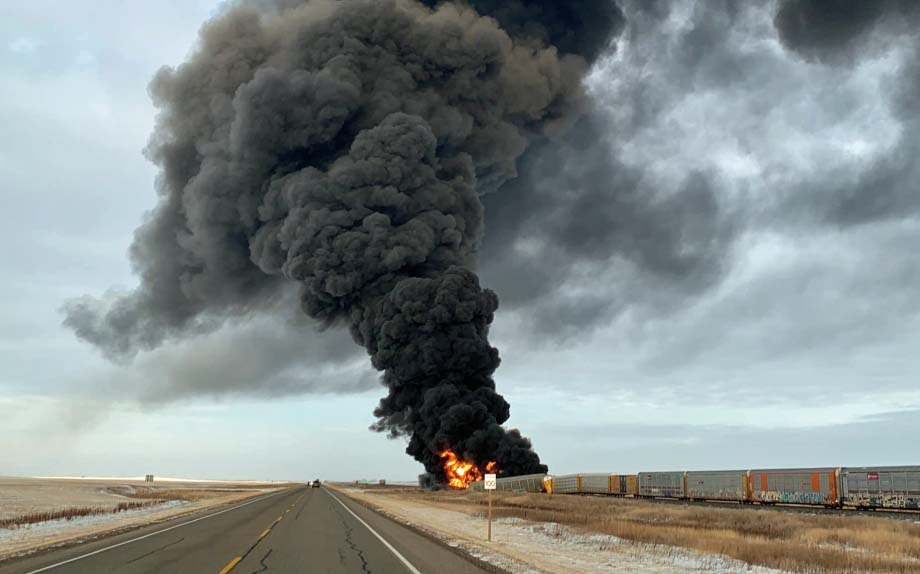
{"x":564,"y":533}
{"x":38,"y":512}
{"x":20,"y":496}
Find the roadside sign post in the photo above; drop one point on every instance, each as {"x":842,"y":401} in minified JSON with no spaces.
{"x":490,"y":486}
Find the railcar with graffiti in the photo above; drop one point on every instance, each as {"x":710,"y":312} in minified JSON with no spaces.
{"x":888,"y":487}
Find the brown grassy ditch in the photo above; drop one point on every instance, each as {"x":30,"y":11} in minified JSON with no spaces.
{"x":73,"y":512}
{"x":791,"y":541}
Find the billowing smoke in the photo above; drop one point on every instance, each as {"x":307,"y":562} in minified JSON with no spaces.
{"x":833,"y":30}
{"x":343,"y":146}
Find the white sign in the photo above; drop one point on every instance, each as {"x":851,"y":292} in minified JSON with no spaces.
{"x":490,"y":482}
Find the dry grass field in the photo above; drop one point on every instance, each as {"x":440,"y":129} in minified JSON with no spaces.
{"x":73,"y":512}
{"x":35,"y":512}
{"x":787,"y":541}
{"x":24,"y":496}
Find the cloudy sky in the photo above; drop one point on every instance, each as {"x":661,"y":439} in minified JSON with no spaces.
{"x":726,"y":277}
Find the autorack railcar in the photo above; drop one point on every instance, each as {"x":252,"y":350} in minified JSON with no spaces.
{"x":813,"y":486}
{"x":880,"y":487}
{"x":524,"y":483}
{"x":662,"y":484}
{"x":624,"y":484}
{"x":727,"y":485}
{"x":593,"y":483}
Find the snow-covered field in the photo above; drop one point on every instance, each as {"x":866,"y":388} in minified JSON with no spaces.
{"x":527,"y":547}
{"x":28,"y":536}
{"x":22,"y":496}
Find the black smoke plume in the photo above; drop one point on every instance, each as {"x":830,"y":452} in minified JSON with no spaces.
{"x":343,"y":146}
{"x":834,"y":30}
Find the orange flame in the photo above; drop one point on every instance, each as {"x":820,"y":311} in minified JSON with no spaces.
{"x":461,"y":473}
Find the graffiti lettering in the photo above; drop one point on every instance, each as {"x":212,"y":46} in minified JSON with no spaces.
{"x":792,"y":497}
{"x":860,"y":500}
{"x":883,"y":500}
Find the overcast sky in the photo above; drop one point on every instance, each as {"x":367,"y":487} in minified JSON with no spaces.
{"x":795,"y":345}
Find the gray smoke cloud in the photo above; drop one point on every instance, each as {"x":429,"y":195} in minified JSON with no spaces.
{"x":841,"y":34}
{"x":579,"y":236}
{"x":836,"y":31}
{"x":587,"y":232}
{"x":714,"y":123}
{"x":383,"y":156}
{"x":343,"y":146}
{"x":264,"y":357}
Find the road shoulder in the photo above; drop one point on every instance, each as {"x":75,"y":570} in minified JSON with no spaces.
{"x":367,"y":510}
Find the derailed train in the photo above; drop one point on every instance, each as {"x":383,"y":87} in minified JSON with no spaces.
{"x":896,"y":487}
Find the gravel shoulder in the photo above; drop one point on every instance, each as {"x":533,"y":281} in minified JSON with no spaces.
{"x":524,"y":546}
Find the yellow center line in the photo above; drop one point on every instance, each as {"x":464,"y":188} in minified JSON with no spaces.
{"x":232,"y":565}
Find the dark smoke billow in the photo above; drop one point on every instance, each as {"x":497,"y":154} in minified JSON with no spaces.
{"x":344,"y":145}
{"x":833,"y":30}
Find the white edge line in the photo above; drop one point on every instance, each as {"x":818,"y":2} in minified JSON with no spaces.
{"x":107,"y":548}
{"x":389,"y":546}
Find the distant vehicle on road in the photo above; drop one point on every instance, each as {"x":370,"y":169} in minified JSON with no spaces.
{"x":315,"y":484}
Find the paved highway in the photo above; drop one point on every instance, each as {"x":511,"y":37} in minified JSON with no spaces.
{"x":311,"y":530}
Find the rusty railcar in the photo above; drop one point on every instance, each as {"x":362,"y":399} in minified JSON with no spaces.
{"x":727,"y":485}
{"x":811,"y":486}
{"x":881,"y":487}
{"x":624,"y":484}
{"x":663,"y":484}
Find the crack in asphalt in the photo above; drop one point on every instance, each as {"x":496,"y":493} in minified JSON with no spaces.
{"x":262,"y":562}
{"x":351,"y":544}
{"x":258,"y":541}
{"x":155,"y":550}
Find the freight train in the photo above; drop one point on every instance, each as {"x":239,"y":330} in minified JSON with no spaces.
{"x":881,"y":487}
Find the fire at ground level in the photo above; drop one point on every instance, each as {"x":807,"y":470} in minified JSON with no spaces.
{"x":461,"y":473}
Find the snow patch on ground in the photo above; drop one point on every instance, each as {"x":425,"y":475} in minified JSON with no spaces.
{"x":610,"y":554}
{"x":63,"y":525}
{"x":22,"y":496}
{"x":526,"y":547}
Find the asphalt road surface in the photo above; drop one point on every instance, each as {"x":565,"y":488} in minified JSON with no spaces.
{"x":302,"y":530}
